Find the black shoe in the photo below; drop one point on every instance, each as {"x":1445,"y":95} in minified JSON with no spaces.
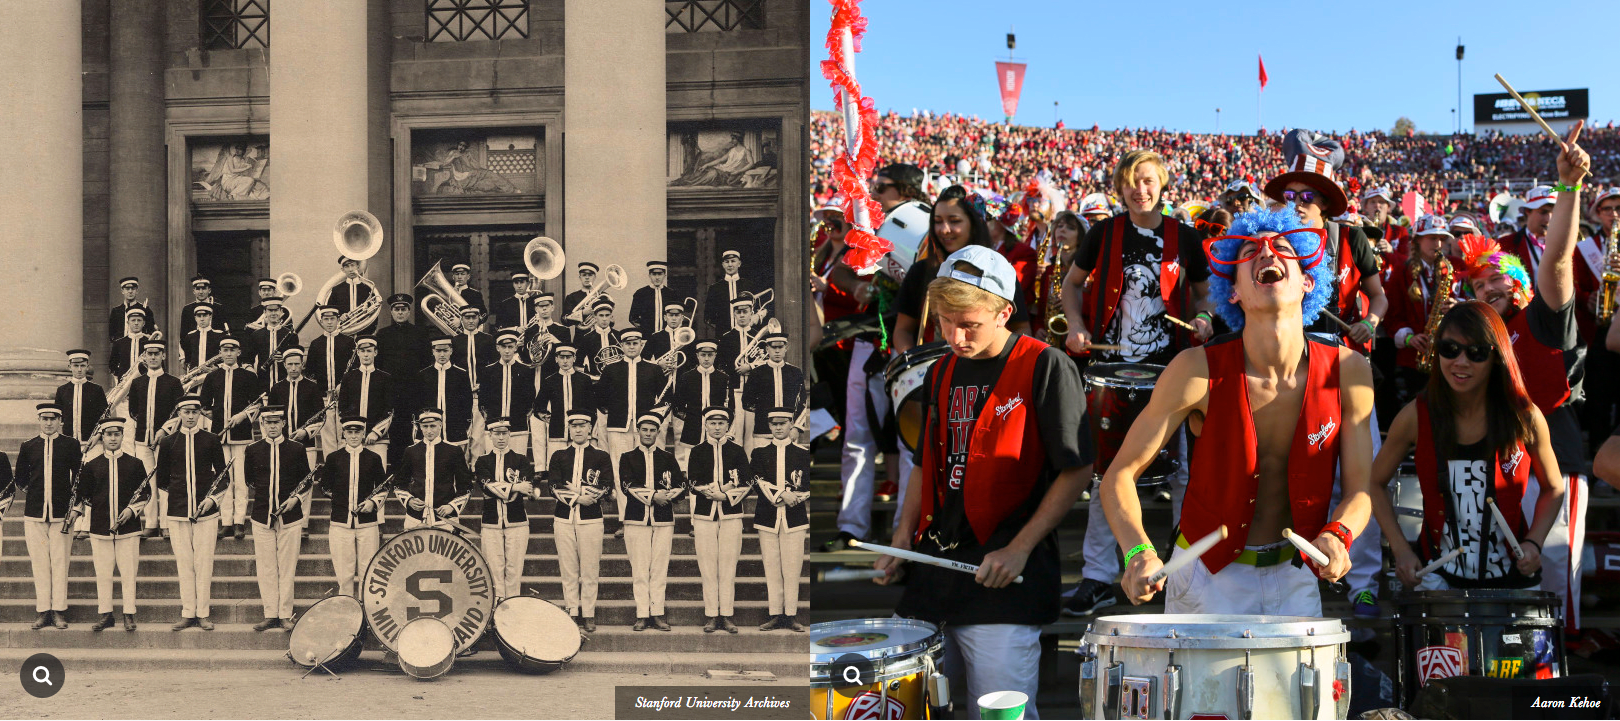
{"x":241,"y":531}
{"x":205,"y":624}
{"x":105,"y":623}
{"x":772,"y":625}
{"x":81,"y":535}
{"x":840,"y":543}
{"x":224,"y":532}
{"x":129,"y":622}
{"x":43,"y":621}
{"x":288,"y":623}
{"x":60,"y":617}
{"x":149,"y":533}
{"x":590,"y":625}
{"x":1090,"y":597}
{"x":267,"y":624}
{"x":793,"y":624}
{"x":183,"y":624}
{"x":713,"y":623}
{"x":640,"y":625}
{"x":659,"y":623}
{"x":725,"y":623}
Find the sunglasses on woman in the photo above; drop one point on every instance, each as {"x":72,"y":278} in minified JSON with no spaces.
{"x":1249,"y":249}
{"x":1450,"y":349}
{"x":1302,"y":197}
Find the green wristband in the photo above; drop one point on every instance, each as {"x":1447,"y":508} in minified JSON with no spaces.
{"x":1561,"y":188}
{"x":1138,"y":549}
{"x":1368,"y":322}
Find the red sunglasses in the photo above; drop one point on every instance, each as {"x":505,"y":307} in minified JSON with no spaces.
{"x":1306,"y":262}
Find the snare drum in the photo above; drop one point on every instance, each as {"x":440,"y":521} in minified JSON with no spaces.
{"x":903,"y":379}
{"x":903,"y":654}
{"x":1407,"y":497}
{"x":331,"y":632}
{"x":1500,"y":633}
{"x":534,"y":635}
{"x":427,"y":648}
{"x":1182,"y":666}
{"x":1116,"y":393}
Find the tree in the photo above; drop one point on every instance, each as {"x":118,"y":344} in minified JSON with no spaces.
{"x":1403,"y":125}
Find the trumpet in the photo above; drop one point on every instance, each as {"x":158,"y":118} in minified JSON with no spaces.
{"x":751,"y":354}
{"x":1611,"y":278}
{"x":612,"y":277}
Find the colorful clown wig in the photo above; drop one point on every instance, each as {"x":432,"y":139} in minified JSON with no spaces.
{"x":1305,"y":244}
{"x":1483,"y":258}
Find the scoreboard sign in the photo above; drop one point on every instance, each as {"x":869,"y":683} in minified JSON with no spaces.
{"x":1551,"y":104}
{"x":428,"y":572}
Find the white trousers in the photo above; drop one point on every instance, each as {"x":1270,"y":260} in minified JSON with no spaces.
{"x":858,"y":467}
{"x":649,"y":549}
{"x":618,"y":443}
{"x":579,"y":556}
{"x":994,"y":657}
{"x":1366,"y":550}
{"x":193,"y":545}
{"x":122,"y":553}
{"x":48,"y":552}
{"x":784,"y":561}
{"x":1561,"y":553}
{"x":719,"y":543}
{"x":1280,"y":590}
{"x":152,"y":515}
{"x":352,"y":549}
{"x":234,"y":501}
{"x":275,"y":560}
{"x":504,"y":549}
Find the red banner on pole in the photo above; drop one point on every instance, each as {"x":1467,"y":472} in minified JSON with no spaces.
{"x":1263,"y":76}
{"x":1010,"y":79}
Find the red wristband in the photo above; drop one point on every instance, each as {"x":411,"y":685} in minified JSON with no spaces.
{"x":1340,"y":532}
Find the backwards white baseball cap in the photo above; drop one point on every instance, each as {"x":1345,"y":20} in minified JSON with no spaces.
{"x":995,"y":273}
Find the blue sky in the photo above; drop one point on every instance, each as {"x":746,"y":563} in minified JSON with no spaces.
{"x":1362,"y":67}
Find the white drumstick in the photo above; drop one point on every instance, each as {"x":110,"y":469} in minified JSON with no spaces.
{"x":1187,"y":555}
{"x":1443,"y":560}
{"x":849,"y":574}
{"x":923,"y":558}
{"x":1315,"y":554}
{"x":1507,"y":533}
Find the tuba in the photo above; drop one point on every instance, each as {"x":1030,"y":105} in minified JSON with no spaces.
{"x":441,"y":302}
{"x":359,"y":235}
{"x":289,"y":284}
{"x":612,"y":277}
{"x":544,"y":258}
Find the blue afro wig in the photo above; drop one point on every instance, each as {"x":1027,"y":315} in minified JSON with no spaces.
{"x":1251,"y":224}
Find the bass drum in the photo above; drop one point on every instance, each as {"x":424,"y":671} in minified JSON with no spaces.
{"x":330,"y":633}
{"x":534,"y":635}
{"x":427,"y":572}
{"x":904,"y":379}
{"x":1116,"y":393}
{"x":427,"y":648}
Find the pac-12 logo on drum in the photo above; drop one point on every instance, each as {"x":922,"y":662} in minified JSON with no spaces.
{"x":1438,"y":662}
{"x":428,"y":572}
{"x":866,"y":706}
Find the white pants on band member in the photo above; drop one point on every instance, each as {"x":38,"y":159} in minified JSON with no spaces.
{"x":275,"y":561}
{"x":124,"y":554}
{"x":233,"y":502}
{"x":783,"y":554}
{"x":579,"y":557}
{"x":1366,"y":550}
{"x":152,"y":515}
{"x":995,"y":657}
{"x":504,"y":549}
{"x":48,"y":552}
{"x":617,"y":443}
{"x":719,"y":543}
{"x":352,"y":549}
{"x":193,"y":545}
{"x":1279,"y":590}
{"x":1561,"y":553}
{"x":649,"y":548}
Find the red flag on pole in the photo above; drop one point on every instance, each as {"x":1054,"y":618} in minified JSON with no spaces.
{"x":1263,"y":73}
{"x":1010,"y":76}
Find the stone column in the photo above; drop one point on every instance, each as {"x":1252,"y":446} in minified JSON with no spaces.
{"x":318,"y":121}
{"x":613,"y":84}
{"x":41,"y":205}
{"x":137,"y":215}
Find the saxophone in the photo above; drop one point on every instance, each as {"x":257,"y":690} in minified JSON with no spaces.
{"x":1611,"y":279}
{"x":1442,"y":291}
{"x":1057,"y":326}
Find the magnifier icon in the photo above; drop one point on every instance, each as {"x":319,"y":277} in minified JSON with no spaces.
{"x":852,"y":675}
{"x":42,"y":675}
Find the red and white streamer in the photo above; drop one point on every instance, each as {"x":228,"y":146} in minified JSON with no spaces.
{"x":854,"y":166}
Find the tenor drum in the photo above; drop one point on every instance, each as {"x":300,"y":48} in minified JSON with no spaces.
{"x":901,"y":654}
{"x":427,"y":648}
{"x":427,"y":572}
{"x":1408,"y":500}
{"x":903,"y":379}
{"x":1498,"y":633}
{"x":331,"y":632}
{"x":534,"y":635}
{"x":1183,"y":666}
{"x":1116,"y":393}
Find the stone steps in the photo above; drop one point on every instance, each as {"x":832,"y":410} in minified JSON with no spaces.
{"x":13,"y":547}
{"x":82,"y":610}
{"x":156,"y":566}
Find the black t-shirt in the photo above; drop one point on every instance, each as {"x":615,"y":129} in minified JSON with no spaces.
{"x":1139,"y":325}
{"x":946,"y":596}
{"x":1557,"y":329}
{"x":914,"y":291}
{"x":1465,"y":479}
{"x":1366,"y":261}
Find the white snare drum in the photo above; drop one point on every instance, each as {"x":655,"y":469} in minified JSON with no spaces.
{"x":903,"y":655}
{"x":427,"y":648}
{"x":903,"y":379}
{"x":1182,"y":666}
{"x":1407,"y":497}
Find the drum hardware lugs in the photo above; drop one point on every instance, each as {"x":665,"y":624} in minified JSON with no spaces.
{"x":1113,"y":679}
{"x":1310,"y":697}
{"x":1139,"y":690}
{"x":1172,"y":685}
{"x":1246,"y":684}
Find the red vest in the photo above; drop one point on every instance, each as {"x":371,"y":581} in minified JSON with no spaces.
{"x":1394,"y":233}
{"x":1349,"y":287}
{"x":1508,"y":490}
{"x":1102,"y":298}
{"x":1541,"y":366}
{"x":1005,"y":453}
{"x":1223,"y":483}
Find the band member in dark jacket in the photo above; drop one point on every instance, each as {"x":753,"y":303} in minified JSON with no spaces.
{"x":505,"y":482}
{"x":649,"y":481}
{"x":350,"y":476}
{"x":46,"y":468}
{"x":202,"y":293}
{"x":544,"y":303}
{"x":460,"y":274}
{"x":434,"y":481}
{"x":516,"y":310}
{"x":566,"y":389}
{"x":129,"y":287}
{"x":726,"y":290}
{"x":110,"y":484}
{"x":331,"y":355}
{"x":187,"y":463}
{"x":126,"y":351}
{"x":82,"y":401}
{"x":402,"y":350}
{"x":596,"y":334}
{"x":276,"y":467}
{"x":626,"y":391}
{"x":445,"y":386}
{"x":506,"y":390}
{"x":647,"y":304}
{"x":580,"y":474}
{"x":705,"y":386}
{"x":367,"y":392}
{"x":152,"y":399}
{"x":718,"y":474}
{"x":781,"y":517}
{"x":300,"y":396}
{"x":229,"y":394}
{"x":772,"y":384}
{"x":587,"y":279}
{"x":265,"y":345}
{"x":202,"y":343}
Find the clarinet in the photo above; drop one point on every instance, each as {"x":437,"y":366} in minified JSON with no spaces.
{"x":215,"y":488}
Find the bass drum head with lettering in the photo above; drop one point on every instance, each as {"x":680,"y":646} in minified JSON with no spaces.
{"x":535,"y":635}
{"x":427,"y":572}
{"x":427,"y":648}
{"x":331,"y":632}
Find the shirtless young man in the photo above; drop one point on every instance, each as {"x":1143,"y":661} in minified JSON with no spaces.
{"x":1282,"y":409}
